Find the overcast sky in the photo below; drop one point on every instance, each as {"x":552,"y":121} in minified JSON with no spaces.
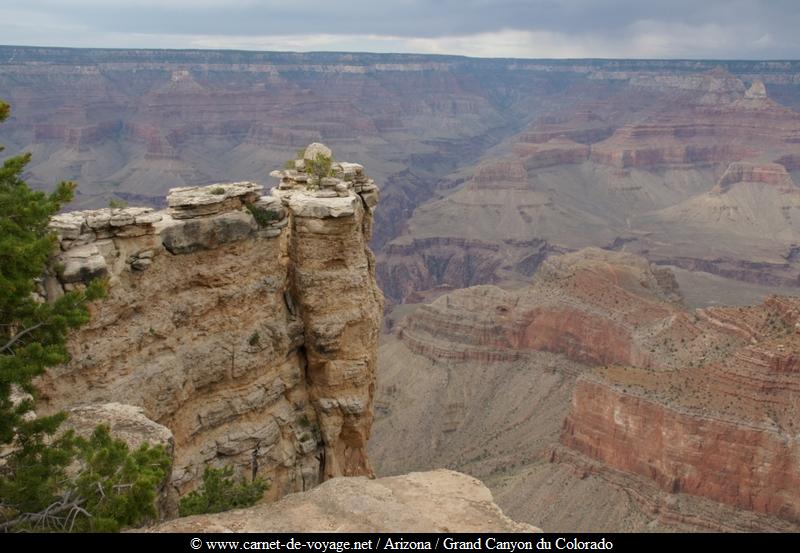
{"x":724,"y":29}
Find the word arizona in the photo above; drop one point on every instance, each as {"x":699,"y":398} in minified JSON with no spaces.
{"x":400,"y":543}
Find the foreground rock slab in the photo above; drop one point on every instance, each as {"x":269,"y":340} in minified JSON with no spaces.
{"x":436,"y":501}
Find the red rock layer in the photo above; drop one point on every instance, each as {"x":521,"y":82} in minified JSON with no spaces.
{"x":729,"y":133}
{"x":579,"y":306}
{"x":747,"y":465}
{"x":700,"y":402}
{"x":580,"y":336}
{"x":773,"y":174}
{"x":721,"y":425}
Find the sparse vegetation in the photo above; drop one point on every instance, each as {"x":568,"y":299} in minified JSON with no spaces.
{"x":116,"y":203}
{"x":262,"y":216}
{"x":218,"y":191}
{"x":221,"y":492}
{"x":319,"y":167}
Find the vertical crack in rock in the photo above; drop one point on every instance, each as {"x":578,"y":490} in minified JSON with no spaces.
{"x":333,"y":280}
{"x":245,"y":323}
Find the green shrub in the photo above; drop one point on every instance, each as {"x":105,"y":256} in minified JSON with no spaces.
{"x":319,"y":167}
{"x":218,"y":191}
{"x":115,"y":203}
{"x":262,"y":216}
{"x":220,"y":492}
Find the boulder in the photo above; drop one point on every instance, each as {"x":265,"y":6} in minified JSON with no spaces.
{"x":370,"y":198}
{"x":82,"y":264}
{"x":125,"y":422}
{"x":198,"y":201}
{"x":67,"y":225}
{"x":316,"y":148}
{"x":303,"y":205}
{"x":186,"y":236}
{"x":271,"y":206}
{"x":129,"y":424}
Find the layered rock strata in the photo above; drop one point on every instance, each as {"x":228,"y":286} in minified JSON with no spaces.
{"x":687,"y":417}
{"x":589,"y":306}
{"x":689,"y":171}
{"x":720,"y":426}
{"x":245,"y":323}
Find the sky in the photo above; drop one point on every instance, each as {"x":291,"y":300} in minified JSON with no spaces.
{"x":693,"y":29}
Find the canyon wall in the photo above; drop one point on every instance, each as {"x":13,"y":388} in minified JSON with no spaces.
{"x":697,"y":171}
{"x":721,"y":426}
{"x":595,"y":391}
{"x":245,"y":323}
{"x":747,"y":464}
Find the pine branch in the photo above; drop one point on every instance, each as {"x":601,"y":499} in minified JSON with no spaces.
{"x":19,"y":335}
{"x":50,"y":514}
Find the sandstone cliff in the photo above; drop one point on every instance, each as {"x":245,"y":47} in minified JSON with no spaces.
{"x":245,"y":323}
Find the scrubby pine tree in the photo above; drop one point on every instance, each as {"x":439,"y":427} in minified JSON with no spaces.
{"x":221,"y":492}
{"x":37,"y":491}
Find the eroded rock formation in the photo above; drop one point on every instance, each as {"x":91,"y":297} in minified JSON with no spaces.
{"x":692,"y":171}
{"x":718,"y":426}
{"x":245,"y":323}
{"x":589,"y":306}
{"x":595,"y":391}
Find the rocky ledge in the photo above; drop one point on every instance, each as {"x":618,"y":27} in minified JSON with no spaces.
{"x":436,"y":501}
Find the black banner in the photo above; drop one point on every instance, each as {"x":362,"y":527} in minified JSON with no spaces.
{"x":339,"y":543}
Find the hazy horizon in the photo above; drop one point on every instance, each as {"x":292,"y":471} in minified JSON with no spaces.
{"x":538,"y":29}
{"x":364,"y":52}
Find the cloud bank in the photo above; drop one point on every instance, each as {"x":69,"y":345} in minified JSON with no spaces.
{"x":720,"y":29}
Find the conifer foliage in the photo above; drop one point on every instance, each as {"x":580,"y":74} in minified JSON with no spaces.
{"x":52,"y":480}
{"x":221,"y":492}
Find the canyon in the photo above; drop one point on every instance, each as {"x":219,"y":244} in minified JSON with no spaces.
{"x":241,"y":330}
{"x":594,"y":399}
{"x":697,"y":173}
{"x":619,"y":154}
{"x":590,"y":270}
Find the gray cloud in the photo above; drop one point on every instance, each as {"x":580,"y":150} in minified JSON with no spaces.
{"x":757,"y":29}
